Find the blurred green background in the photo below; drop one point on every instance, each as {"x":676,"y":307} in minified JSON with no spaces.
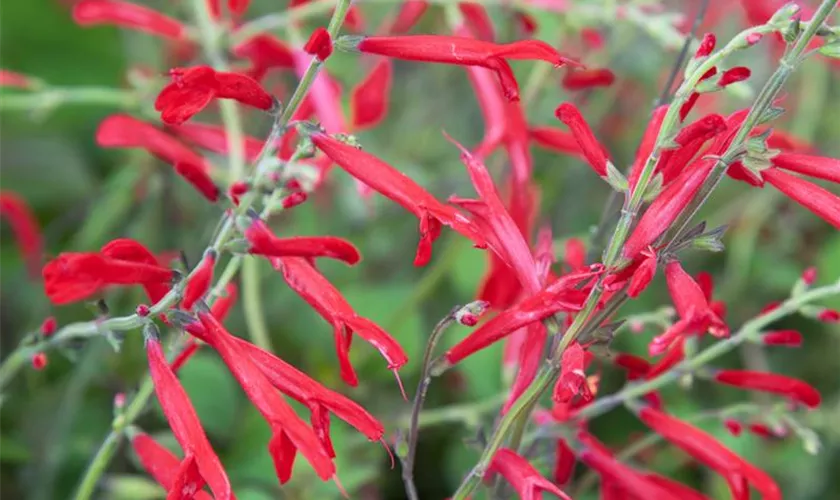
{"x":54,"y":420}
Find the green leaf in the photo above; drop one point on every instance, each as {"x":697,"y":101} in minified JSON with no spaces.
{"x":212,"y":391}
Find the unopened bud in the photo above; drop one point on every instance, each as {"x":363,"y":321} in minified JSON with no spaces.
{"x":39,"y":361}
{"x":809,"y":276}
{"x":49,"y":326}
{"x":294,"y":199}
{"x":237,"y":189}
{"x":142,"y":310}
{"x":829,"y":316}
{"x":469,"y":314}
{"x":119,"y":400}
{"x":753,"y":38}
{"x":733,"y":426}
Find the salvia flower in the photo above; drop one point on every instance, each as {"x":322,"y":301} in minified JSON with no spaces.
{"x":192,"y":89}
{"x":369,"y":99}
{"x":290,"y":434}
{"x":163,"y":465}
{"x":75,"y":276}
{"x":818,"y":167}
{"x":128,"y":15}
{"x":797,"y":390}
{"x":26,"y":229}
{"x":319,"y":44}
{"x":524,"y":478}
{"x":572,"y":378}
{"x":643,"y":274}
{"x":821,"y":202}
{"x":200,"y":463}
{"x":263,"y":242}
{"x":265,"y":53}
{"x":133,"y":251}
{"x":199,"y":281}
{"x":318,"y":292}
{"x":647,"y":144}
{"x":409,"y":14}
{"x":399,"y":188}
{"x":709,"y":451}
{"x":124,"y":131}
{"x":787,"y":338}
{"x":588,"y":144}
{"x":220,"y":309}
{"x":587,"y":79}
{"x":465,"y":51}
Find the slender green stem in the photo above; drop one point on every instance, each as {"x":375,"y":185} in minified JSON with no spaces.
{"x":98,"y":466}
{"x":53,"y":97}
{"x":253,"y":304}
{"x":279,"y":20}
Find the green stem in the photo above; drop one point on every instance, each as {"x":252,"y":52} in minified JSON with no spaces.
{"x":52,"y":97}
{"x":253,"y":304}
{"x":98,"y":466}
{"x":283,"y":19}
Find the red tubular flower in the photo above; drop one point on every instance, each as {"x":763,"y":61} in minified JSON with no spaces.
{"x":707,"y":45}
{"x":200,"y":281}
{"x":524,"y":478}
{"x":319,"y":44}
{"x":220,"y":309}
{"x":399,"y":188}
{"x":263,"y":242}
{"x":531,"y":354}
{"x":687,"y":106}
{"x":214,"y":138}
{"x":674,"y":355}
{"x":128,"y":15}
{"x":369,"y":99}
{"x":265,"y":52}
{"x":788,"y":338}
{"x":818,"y":167}
{"x":410,"y":12}
{"x":678,"y":490}
{"x":689,"y":141}
{"x":133,"y":251}
{"x":161,"y":464}
{"x":708,"y":450}
{"x":644,"y":274}
{"x":192,"y":89}
{"x":75,"y":276}
{"x":733,"y":75}
{"x":557,"y":296}
{"x":667,"y":206}
{"x":556,"y":140}
{"x":200,"y":463}
{"x":289,"y":433}
{"x":733,"y":426}
{"x":588,"y":78}
{"x":816,"y":199}
{"x":564,"y":465}
{"x":319,"y":293}
{"x":294,"y":199}
{"x":15,"y":80}
{"x":465,"y":51}
{"x":26,"y":229}
{"x":795,"y":389}
{"x":647,"y":143}
{"x":572,"y":377}
{"x":589,"y":145}
{"x":124,"y":131}
{"x":476,"y":17}
{"x":635,"y":366}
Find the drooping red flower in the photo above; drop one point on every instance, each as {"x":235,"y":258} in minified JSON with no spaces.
{"x":200,"y":463}
{"x":15,"y":80}
{"x":265,"y":53}
{"x":220,"y":309}
{"x":319,"y":44}
{"x":128,"y":15}
{"x":787,"y":338}
{"x":709,"y":451}
{"x":133,"y":251}
{"x":26,"y":229}
{"x":465,"y":51}
{"x":677,"y":490}
{"x":585,"y":138}
{"x":647,"y":144}
{"x":319,"y":293}
{"x":819,"y":167}
{"x":200,"y":281}
{"x":588,"y":78}
{"x":399,"y":188}
{"x":524,"y":478}
{"x":369,"y":99}
{"x":797,"y":390}
{"x":124,"y":131}
{"x":165,"y":467}
{"x":214,"y":138}
{"x":560,"y":295}
{"x":192,"y":89}
{"x":75,"y":276}
{"x":290,"y":434}
{"x":263,"y":242}
{"x":821,"y":202}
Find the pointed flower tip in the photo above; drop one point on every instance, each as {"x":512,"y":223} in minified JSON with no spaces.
{"x":319,"y":44}
{"x":707,"y":45}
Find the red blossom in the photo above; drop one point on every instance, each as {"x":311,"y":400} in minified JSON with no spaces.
{"x":319,"y":44}
{"x":707,"y":45}
{"x":15,"y":80}
{"x":795,"y":389}
{"x":193,"y":88}
{"x":200,"y":281}
{"x":564,"y":465}
{"x":708,"y":450}
{"x":215,"y":139}
{"x":128,"y":15}
{"x":733,"y":75}
{"x":787,"y":338}
{"x":161,"y":463}
{"x":124,"y":131}
{"x":263,"y":242}
{"x":319,"y":293}
{"x":569,"y":114}
{"x":369,"y":99}
{"x":399,"y":188}
{"x":290,"y":434}
{"x":647,"y":144}
{"x":635,"y":366}
{"x":220,"y":309}
{"x":26,"y":229}
{"x":588,"y":78}
{"x":644,"y":274}
{"x":688,"y":141}
{"x":294,"y":199}
{"x":627,"y":480}
{"x":410,"y":12}
{"x":820,"y":201}
{"x":829,"y":316}
{"x":524,"y":478}
{"x":465,"y":51}
{"x":200,"y":463}
{"x":479,"y":22}
{"x":556,"y":140}
{"x":265,"y":53}
{"x":572,"y":378}
{"x":133,"y":251}
{"x":809,"y":275}
{"x":818,"y":167}
{"x":75,"y":276}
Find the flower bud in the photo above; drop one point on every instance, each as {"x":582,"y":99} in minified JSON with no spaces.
{"x":49,"y":326}
{"x":142,"y":310}
{"x":469,"y":314}
{"x":39,"y":361}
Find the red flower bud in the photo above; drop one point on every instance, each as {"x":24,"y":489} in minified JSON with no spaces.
{"x":754,"y":38}
{"x":733,"y":426}
{"x":789,"y":338}
{"x":587,"y":78}
{"x":199,"y":281}
{"x":829,"y":316}
{"x":589,"y":145}
{"x":319,"y":44}
{"x":49,"y":326}
{"x":809,"y":276}
{"x":128,"y":15}
{"x":294,"y":199}
{"x":734,"y":75}
{"x":797,"y":390}
{"x":142,"y":310}
{"x":237,"y":189}
{"x":707,"y":45}
{"x":13,"y":79}
{"x":264,"y":242}
{"x":39,"y":361}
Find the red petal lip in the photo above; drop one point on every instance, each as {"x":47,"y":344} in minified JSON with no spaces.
{"x":585,"y":138}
